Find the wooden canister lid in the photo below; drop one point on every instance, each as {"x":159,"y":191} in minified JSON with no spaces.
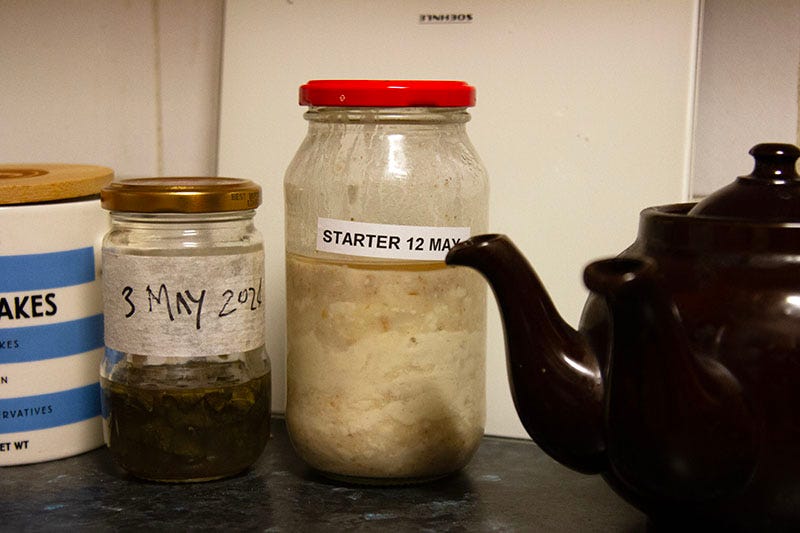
{"x":32,"y":183}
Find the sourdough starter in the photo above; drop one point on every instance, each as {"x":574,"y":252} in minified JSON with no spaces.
{"x":385,"y":366}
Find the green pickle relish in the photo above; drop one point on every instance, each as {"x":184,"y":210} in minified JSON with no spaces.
{"x":175,"y":425}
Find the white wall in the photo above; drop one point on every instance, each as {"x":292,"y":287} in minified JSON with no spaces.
{"x":747,"y":86}
{"x":132,"y":85}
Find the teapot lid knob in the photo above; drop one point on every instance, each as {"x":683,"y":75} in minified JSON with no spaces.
{"x":774,"y":162}
{"x":770,"y":193}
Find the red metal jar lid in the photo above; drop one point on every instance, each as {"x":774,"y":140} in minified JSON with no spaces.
{"x":387,"y":93}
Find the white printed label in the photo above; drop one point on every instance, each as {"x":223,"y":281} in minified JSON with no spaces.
{"x":183,"y":306}
{"x":389,"y":241}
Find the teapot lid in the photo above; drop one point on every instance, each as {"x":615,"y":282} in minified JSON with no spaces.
{"x":770,"y":193}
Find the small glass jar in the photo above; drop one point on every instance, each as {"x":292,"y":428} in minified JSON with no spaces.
{"x":186,"y":382}
{"x":385,"y":343}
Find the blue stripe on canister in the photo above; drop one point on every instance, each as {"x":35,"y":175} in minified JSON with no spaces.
{"x":32,"y":272}
{"x":36,"y":343}
{"x":49,"y":410}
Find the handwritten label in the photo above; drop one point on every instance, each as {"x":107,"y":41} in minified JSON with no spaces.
{"x":390,"y":241}
{"x":183,"y":306}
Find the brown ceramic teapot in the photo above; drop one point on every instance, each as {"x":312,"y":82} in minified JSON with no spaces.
{"x":682,"y":384}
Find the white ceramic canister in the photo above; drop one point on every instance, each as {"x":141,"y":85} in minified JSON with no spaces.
{"x":51,"y":321}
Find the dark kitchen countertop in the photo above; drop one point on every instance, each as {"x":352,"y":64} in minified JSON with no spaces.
{"x":510,"y":485}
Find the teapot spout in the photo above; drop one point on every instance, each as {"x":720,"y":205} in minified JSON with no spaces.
{"x":555,"y":378}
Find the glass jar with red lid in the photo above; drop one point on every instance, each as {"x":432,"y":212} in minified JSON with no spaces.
{"x":385,"y":343}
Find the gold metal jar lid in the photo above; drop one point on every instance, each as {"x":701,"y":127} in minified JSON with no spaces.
{"x":30,"y":183}
{"x":181,"y":195}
